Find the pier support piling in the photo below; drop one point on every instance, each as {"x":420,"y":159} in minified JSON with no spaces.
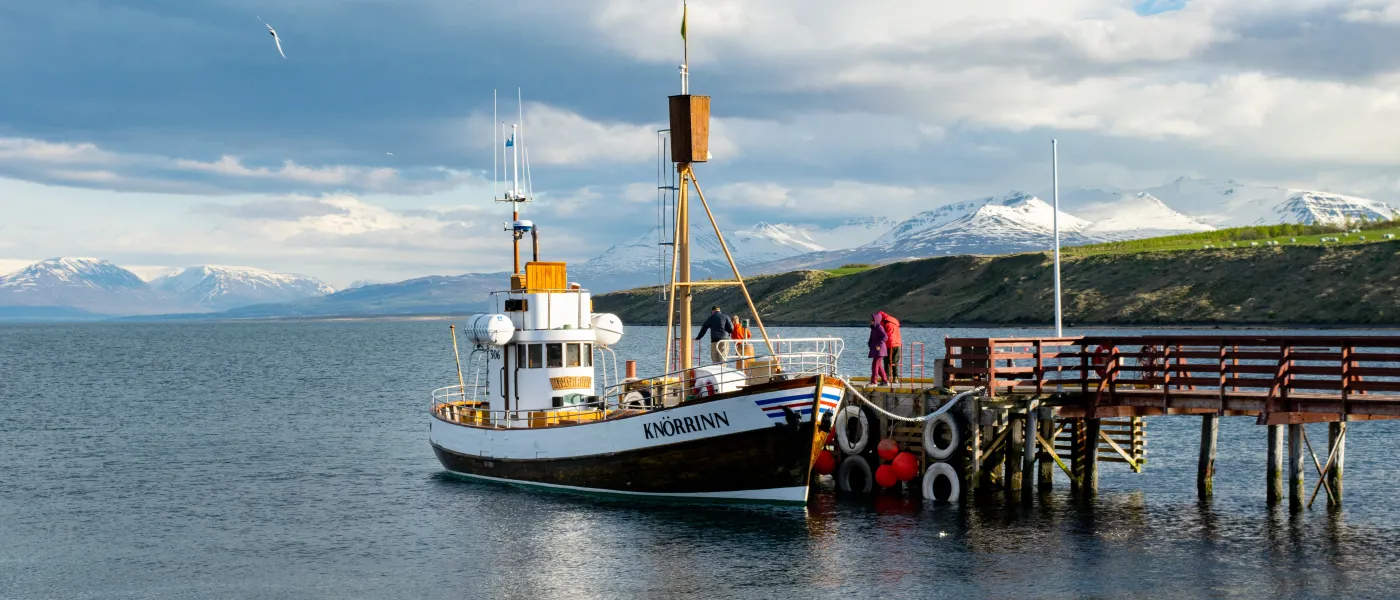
{"x":1205,"y":468}
{"x":1047,"y":462}
{"x":1274,"y":476}
{"x":1028,"y":452}
{"x":1295,"y":467}
{"x":1076,"y":458}
{"x":1015,"y":445}
{"x":1336,"y":438}
{"x":1091,"y":458}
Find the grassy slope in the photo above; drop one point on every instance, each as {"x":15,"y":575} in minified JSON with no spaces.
{"x":1354,"y":284}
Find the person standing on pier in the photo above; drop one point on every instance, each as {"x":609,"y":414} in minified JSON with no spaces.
{"x":892,"y":344}
{"x":878,"y":351}
{"x":720,"y":328}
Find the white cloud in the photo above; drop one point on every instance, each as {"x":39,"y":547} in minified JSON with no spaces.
{"x":557,"y":136}
{"x":87,"y":164}
{"x":837,"y":200}
{"x":376,"y":178}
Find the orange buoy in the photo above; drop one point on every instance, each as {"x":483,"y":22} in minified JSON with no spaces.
{"x":905,"y":466}
{"x":826,"y":463}
{"x":885,"y":476}
{"x":887,"y":449}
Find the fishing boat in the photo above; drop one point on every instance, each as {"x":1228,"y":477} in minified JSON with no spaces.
{"x":546,"y":407}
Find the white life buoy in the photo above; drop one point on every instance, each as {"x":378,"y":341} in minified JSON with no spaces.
{"x":931,"y":476}
{"x":854,"y":466}
{"x":848,"y":446}
{"x":931,"y":438}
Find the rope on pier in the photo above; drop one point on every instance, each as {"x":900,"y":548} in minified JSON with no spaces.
{"x":947,"y":406}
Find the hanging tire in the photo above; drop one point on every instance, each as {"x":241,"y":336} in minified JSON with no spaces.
{"x":942,"y":437}
{"x":850,"y":443}
{"x":876,"y":429}
{"x":854,"y":476}
{"x":941,"y":483}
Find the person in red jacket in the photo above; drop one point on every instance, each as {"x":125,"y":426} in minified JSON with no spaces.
{"x":893,"y":343}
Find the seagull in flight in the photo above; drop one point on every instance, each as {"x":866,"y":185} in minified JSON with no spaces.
{"x":275,"y":38}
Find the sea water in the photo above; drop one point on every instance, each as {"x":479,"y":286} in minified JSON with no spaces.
{"x":290,"y":460}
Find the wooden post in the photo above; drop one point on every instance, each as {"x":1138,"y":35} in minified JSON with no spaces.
{"x":1335,"y":431}
{"x":1091,"y":458}
{"x":1076,"y":457}
{"x":1029,"y":453}
{"x":1205,"y":467}
{"x":1274,"y":477}
{"x":1047,"y":463}
{"x":1296,"y":492}
{"x":1015,"y":445}
{"x":974,"y":472}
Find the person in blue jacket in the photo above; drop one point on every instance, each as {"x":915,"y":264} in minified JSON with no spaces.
{"x":720,"y":328}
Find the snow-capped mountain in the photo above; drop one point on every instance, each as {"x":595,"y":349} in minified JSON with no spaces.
{"x":89,"y":284}
{"x":854,"y":232}
{"x":1232,"y":204}
{"x":643,"y":261}
{"x":213,"y":287}
{"x":1134,"y":216}
{"x":1016,"y":222}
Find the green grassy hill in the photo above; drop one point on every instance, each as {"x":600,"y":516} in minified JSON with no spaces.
{"x":1300,"y":283}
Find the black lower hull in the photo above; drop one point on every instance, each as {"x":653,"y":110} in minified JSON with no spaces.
{"x":776,"y":457}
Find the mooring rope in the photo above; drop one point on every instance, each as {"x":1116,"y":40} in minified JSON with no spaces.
{"x":947,"y":406}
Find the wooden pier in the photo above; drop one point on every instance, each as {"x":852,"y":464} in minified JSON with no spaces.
{"x":1071,"y":403}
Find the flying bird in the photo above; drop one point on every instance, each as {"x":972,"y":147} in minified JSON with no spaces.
{"x":274,"y":38}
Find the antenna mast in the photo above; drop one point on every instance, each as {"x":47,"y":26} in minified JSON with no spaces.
{"x":510,"y":170}
{"x":1055,"y":194}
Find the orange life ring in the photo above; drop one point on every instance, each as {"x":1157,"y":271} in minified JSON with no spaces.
{"x":1100,"y":360}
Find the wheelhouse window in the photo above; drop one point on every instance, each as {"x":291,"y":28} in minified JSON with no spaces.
{"x":536,"y":356}
{"x":519,"y":356}
{"x":554,"y":355}
{"x":588,"y":355}
{"x":571,"y":355}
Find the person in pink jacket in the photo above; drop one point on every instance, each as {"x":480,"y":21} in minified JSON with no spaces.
{"x":878,"y":350}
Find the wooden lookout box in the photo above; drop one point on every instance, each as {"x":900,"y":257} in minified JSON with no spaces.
{"x":690,"y":128}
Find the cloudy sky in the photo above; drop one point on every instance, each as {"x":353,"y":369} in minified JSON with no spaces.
{"x":170,"y":132}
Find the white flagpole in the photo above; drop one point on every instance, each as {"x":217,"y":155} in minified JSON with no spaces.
{"x":1055,"y":193}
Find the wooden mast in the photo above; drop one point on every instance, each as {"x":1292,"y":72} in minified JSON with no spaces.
{"x":690,"y":143}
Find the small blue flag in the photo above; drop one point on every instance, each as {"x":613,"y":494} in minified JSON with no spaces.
{"x":510,"y":141}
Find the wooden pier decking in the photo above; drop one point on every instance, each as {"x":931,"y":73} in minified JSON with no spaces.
{"x":1086,"y":397}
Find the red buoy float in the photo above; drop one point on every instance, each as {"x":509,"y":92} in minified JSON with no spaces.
{"x":826,"y":463}
{"x":887,"y":449}
{"x":905,"y":466}
{"x":884,"y":476}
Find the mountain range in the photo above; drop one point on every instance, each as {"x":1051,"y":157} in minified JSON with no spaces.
{"x":1007,"y":223}
{"x":80,"y":287}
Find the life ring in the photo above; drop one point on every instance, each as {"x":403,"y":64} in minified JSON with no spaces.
{"x":703,"y":387}
{"x":1100,"y":360}
{"x":851,"y":466}
{"x":933,"y":474}
{"x":931,"y":438}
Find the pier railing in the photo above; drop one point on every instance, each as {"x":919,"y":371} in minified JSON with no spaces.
{"x":1321,"y":375}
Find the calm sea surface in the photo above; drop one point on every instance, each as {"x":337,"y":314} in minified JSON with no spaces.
{"x":290,"y":460}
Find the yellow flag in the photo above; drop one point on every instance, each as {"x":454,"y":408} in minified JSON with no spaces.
{"x":684,"y":10}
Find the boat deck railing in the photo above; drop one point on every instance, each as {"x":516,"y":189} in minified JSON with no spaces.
{"x":796,"y":358}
